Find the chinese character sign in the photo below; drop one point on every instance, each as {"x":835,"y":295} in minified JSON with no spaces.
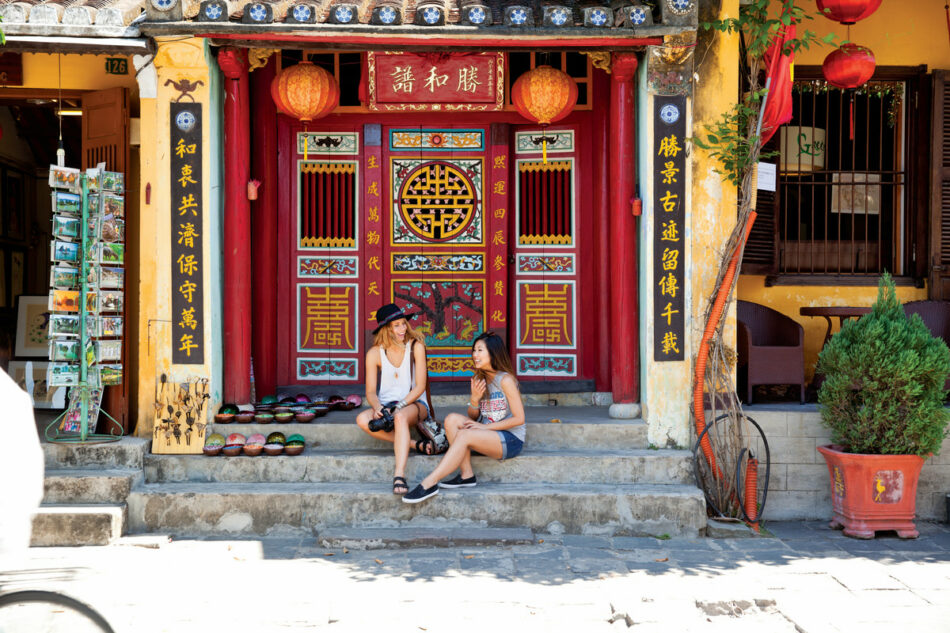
{"x":187,"y":227}
{"x":669,"y":217}
{"x":458,"y":81}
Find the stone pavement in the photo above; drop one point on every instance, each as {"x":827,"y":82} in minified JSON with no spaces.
{"x":806,"y":579}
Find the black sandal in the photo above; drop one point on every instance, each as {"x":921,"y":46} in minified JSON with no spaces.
{"x":401,"y":484}
{"x":425,"y":446}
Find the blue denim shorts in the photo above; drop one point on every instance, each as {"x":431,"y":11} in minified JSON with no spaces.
{"x":510,"y":445}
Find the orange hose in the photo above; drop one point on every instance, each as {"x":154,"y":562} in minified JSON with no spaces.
{"x":703,"y":353}
{"x":752,"y":492}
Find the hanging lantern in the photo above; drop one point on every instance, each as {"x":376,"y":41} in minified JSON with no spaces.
{"x":544,"y":95}
{"x":305,"y":92}
{"x":847,"y":11}
{"x":849,"y":66}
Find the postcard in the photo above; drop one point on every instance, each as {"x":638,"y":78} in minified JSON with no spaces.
{"x":113,"y":205}
{"x":72,"y":421}
{"x":65,"y":227}
{"x":110,"y":374}
{"x":110,"y":301}
{"x":93,"y":204}
{"x":110,"y":351}
{"x":65,"y":202}
{"x":64,"y":350}
{"x":110,"y":326}
{"x":63,"y":325}
{"x":62,"y":375}
{"x":64,"y":300}
{"x":93,"y":176}
{"x":63,"y":177}
{"x":92,"y":353}
{"x":111,"y":229}
{"x":64,"y":251}
{"x":113,"y":181}
{"x":64,"y":277}
{"x":111,"y":253}
{"x":111,"y":277}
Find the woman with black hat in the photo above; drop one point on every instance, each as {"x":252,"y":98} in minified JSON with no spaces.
{"x":398,"y":356}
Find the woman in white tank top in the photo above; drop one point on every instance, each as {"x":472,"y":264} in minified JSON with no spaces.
{"x":395,"y":345}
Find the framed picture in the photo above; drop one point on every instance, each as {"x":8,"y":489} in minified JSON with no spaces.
{"x":30,"y":375}
{"x":855,"y":193}
{"x":32,"y":326}
{"x":14,"y":203}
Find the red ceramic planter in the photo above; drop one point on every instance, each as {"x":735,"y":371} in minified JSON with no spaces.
{"x":872,"y":492}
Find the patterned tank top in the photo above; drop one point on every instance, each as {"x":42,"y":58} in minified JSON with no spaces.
{"x":495,"y":407}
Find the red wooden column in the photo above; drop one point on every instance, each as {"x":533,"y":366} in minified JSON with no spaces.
{"x":625,"y":359}
{"x":264,"y":225}
{"x":237,"y":227}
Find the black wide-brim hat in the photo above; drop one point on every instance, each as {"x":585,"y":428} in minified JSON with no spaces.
{"x":387,"y":314}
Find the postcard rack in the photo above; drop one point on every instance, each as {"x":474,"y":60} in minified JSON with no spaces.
{"x":87,"y":277}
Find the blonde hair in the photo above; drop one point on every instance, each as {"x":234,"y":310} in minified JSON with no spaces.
{"x":385,"y":337}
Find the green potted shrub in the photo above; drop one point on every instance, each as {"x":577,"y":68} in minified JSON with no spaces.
{"x":883,"y":399}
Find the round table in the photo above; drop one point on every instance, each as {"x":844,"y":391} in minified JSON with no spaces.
{"x":842,"y":312}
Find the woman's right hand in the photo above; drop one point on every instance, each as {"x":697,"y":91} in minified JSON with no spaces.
{"x":377,"y":413}
{"x":478,"y":389}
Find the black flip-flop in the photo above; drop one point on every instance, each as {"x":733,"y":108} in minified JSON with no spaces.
{"x":400,"y":482}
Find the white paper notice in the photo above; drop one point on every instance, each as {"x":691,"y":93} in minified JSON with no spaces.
{"x":766,"y":176}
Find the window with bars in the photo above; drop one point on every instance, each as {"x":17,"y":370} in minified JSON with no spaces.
{"x":327,"y":199}
{"x":545,"y":202}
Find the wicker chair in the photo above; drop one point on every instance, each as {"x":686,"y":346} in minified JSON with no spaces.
{"x":936,"y":316}
{"x":771,"y":347}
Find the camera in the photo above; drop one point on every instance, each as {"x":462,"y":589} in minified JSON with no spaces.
{"x":385,"y":422}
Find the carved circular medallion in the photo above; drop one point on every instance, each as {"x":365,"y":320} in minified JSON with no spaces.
{"x":185,"y":121}
{"x":669,"y":114}
{"x":680,"y":7}
{"x":437,"y":201}
{"x":163,"y":5}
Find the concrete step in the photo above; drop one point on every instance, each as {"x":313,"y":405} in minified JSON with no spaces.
{"x":296,"y":508}
{"x":587,"y":427}
{"x":128,"y":452}
{"x":73,"y":485}
{"x":325,"y":465}
{"x":75,"y":525}
{"x":397,"y":538}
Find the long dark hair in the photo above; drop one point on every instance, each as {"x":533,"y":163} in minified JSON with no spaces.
{"x":497,"y":355}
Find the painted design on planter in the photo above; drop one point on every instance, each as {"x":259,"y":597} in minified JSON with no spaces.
{"x":838,"y":482}
{"x":437,"y":201}
{"x":327,"y":369}
{"x":438,"y":263}
{"x":888,"y":486}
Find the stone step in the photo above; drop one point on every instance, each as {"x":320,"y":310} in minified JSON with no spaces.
{"x":397,"y":538}
{"x":128,"y":452}
{"x":303,"y":509}
{"x":75,"y":525}
{"x":72,"y":485}
{"x":587,"y":427}
{"x":326,"y":465}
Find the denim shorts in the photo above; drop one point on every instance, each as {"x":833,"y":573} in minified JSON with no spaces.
{"x":510,"y":445}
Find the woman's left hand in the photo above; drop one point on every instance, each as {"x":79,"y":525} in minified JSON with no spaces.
{"x":471,"y":424}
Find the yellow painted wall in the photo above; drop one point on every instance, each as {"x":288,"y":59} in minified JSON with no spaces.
{"x":76,"y":72}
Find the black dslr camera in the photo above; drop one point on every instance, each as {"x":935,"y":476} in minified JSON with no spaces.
{"x":386,"y":421}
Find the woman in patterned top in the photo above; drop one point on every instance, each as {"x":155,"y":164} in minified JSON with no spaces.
{"x":494,"y":425}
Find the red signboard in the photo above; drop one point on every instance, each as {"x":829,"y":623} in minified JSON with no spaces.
{"x":436,"y":81}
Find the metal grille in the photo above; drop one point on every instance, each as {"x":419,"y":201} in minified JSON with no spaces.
{"x":544,"y":202}
{"x":842,"y":181}
{"x":327,"y":205}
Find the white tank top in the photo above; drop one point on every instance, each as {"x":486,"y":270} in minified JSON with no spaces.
{"x":395,"y":383}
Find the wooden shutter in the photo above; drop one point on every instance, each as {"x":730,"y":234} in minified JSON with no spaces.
{"x":939,"y":278}
{"x":105,"y":138}
{"x":760,"y":251}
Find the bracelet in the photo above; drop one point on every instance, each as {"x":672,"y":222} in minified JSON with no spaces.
{"x":473,"y":406}
{"x":401,"y":405}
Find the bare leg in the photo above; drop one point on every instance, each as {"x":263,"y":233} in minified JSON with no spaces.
{"x":453,"y":424}
{"x":484,"y":441}
{"x":405,"y":419}
{"x":363,"y":420}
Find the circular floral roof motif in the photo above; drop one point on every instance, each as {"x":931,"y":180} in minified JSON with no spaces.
{"x":431,"y":15}
{"x":185,"y":121}
{"x":559,"y":17}
{"x":163,"y":5}
{"x":302,"y":13}
{"x":477,"y":15}
{"x":213,"y":11}
{"x":638,"y":15}
{"x":518,"y":16}
{"x":680,"y":7}
{"x":437,"y":201}
{"x":387,"y":15}
{"x":343,"y":15}
{"x":598,"y":17}
{"x":258,"y":12}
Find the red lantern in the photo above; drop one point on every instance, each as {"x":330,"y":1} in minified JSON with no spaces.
{"x":849,"y":66}
{"x":847,"y":11}
{"x":544,"y":95}
{"x":305,"y":92}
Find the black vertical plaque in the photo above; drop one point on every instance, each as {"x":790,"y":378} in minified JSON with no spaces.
{"x":669,"y":229}
{"x":187,"y":231}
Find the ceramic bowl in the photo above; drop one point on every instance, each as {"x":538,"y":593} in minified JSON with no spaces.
{"x":244,"y":416}
{"x":273,"y":449}
{"x":345,"y":405}
{"x":253,"y":450}
{"x":305,"y":416}
{"x":269,"y":400}
{"x":232,"y":451}
{"x":264,"y":418}
{"x":320,"y":410}
{"x":228,"y":408}
{"x":285,"y":416}
{"x":211,"y":451}
{"x":281,"y":409}
{"x":294,"y":449}
{"x":236,"y":439}
{"x":302,"y":398}
{"x":223,"y":418}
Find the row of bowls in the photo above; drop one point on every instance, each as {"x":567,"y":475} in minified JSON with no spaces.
{"x":235,"y":444}
{"x":299,"y":408}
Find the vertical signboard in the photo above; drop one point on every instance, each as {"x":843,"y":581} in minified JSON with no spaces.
{"x":669,"y":243}
{"x":187,"y":212}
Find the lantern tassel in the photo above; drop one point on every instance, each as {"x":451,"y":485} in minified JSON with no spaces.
{"x":306,"y":141}
{"x":544,"y":151}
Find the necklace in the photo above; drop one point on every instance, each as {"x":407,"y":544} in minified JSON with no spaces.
{"x":395,"y":368}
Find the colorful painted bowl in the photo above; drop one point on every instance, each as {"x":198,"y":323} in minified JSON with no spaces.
{"x":264,"y":418}
{"x":245,"y":417}
{"x":273,"y":449}
{"x":302,"y":398}
{"x":215,"y":439}
{"x":269,"y":400}
{"x":257,"y":439}
{"x":212,"y":450}
{"x":228,"y":408}
{"x":284,"y":416}
{"x":223,"y":418}
{"x":355,"y":399}
{"x":320,"y":409}
{"x":305,"y":416}
{"x":344,"y":405}
{"x":288,"y":400}
{"x":236,"y":439}
{"x":293,"y":449}
{"x":276,"y":438}
{"x":296,"y":438}
{"x":232,"y":451}
{"x":281,"y":409}
{"x":253,"y":450}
